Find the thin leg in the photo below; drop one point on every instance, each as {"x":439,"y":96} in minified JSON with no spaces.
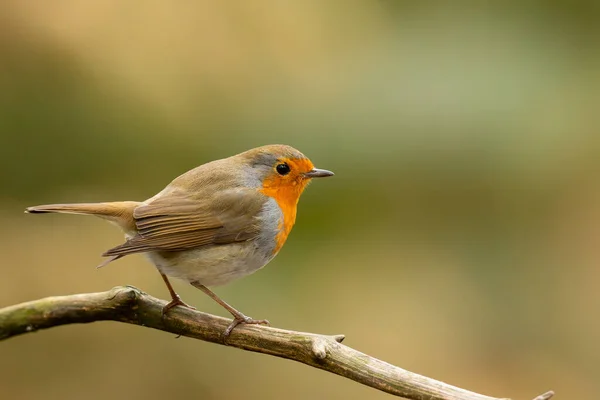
{"x":238,"y":317}
{"x":175,"y":299}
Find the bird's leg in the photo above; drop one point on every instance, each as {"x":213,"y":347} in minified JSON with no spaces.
{"x":238,"y":317}
{"x":175,"y":299}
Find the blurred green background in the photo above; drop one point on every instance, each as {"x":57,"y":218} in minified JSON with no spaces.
{"x":458,"y":239}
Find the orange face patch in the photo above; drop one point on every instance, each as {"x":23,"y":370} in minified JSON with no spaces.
{"x":286,"y":190}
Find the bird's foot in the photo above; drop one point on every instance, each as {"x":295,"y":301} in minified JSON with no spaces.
{"x":242,"y":319}
{"x":176,"y":301}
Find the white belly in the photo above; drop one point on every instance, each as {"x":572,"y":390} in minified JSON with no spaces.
{"x":211,"y":265}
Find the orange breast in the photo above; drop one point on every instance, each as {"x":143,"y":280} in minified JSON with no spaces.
{"x":286,"y":190}
{"x":286,"y":195}
{"x":287,"y":201}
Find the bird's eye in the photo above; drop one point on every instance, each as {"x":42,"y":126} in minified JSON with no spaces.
{"x":283,"y":169}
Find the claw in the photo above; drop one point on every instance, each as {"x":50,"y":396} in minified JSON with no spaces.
{"x":176,"y":302}
{"x":242,"y":319}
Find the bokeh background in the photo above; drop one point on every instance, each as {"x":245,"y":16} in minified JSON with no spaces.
{"x":459,"y":238}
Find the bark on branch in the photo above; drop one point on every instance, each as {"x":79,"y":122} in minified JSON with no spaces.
{"x":130,"y":305}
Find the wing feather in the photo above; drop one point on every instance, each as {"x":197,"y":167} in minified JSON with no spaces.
{"x":177,"y":221}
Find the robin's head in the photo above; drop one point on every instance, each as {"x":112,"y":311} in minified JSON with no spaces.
{"x":282,"y":170}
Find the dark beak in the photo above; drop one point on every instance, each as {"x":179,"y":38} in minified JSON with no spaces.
{"x":318,"y":173}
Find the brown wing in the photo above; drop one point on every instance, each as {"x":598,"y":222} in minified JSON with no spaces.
{"x":177,"y":221}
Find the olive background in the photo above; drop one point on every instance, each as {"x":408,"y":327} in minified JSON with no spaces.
{"x":458,"y":239}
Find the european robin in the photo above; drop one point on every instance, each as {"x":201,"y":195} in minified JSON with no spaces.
{"x":218,"y":222}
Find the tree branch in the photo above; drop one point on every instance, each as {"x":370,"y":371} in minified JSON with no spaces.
{"x":130,"y":305}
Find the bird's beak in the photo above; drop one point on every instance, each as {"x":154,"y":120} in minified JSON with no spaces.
{"x":318,"y":173}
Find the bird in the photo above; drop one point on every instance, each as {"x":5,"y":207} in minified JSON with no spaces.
{"x":218,"y":222}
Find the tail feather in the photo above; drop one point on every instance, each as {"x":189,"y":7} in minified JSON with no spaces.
{"x":120,"y":213}
{"x":59,"y":208}
{"x":108,"y":261}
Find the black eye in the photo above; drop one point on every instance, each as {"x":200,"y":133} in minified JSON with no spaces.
{"x":283,"y":169}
